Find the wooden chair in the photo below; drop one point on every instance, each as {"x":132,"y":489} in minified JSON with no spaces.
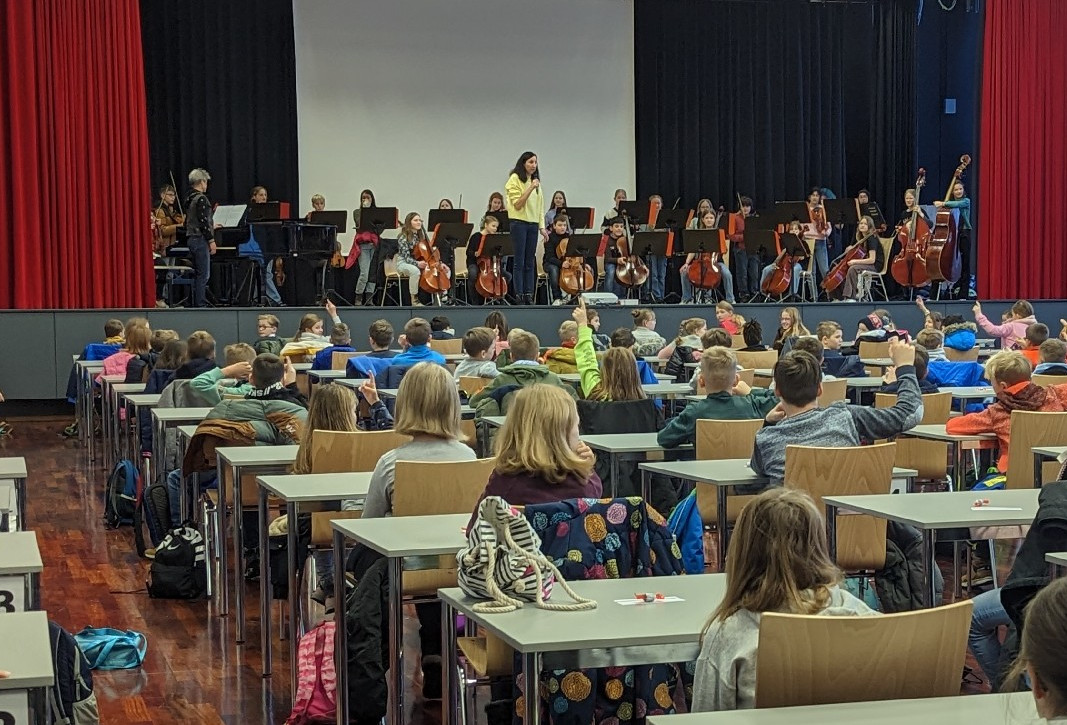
{"x":961,"y":355}
{"x":832,"y":391}
{"x":718,"y":440}
{"x":929,"y":458}
{"x":1043,"y":381}
{"x":339,"y":360}
{"x":867,"y":279}
{"x":765,"y":359}
{"x":448,"y":347}
{"x":472,"y":385}
{"x":1029,"y":429}
{"x":868,"y":350}
{"x":846,"y":472}
{"x":737,"y":341}
{"x":392,"y":276}
{"x":342,"y":451}
{"x":818,"y":660}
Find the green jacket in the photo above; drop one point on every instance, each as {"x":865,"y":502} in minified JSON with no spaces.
{"x":585,"y":359}
{"x":717,"y":406}
{"x":561,"y":360}
{"x":289,"y":416}
{"x":491,"y":400}
{"x":207,"y":385}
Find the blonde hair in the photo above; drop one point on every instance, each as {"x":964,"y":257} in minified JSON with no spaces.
{"x":238,"y":352}
{"x":318,"y":197}
{"x":718,"y":367}
{"x":332,"y":408}
{"x":568,"y":330}
{"x":534,"y":438}
{"x":777,"y":560}
{"x":618,"y":377}
{"x":797,"y":329}
{"x":307,"y":322}
{"x":161,"y":338}
{"x":725,"y":306}
{"x":689,"y":326}
{"x":642,"y":316}
{"x":427,"y":403}
{"x":1008,"y":367}
{"x":524,"y":345}
{"x":271,"y":320}
{"x":138,"y":337}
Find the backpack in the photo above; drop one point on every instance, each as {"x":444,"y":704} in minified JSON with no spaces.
{"x":688,"y":529}
{"x":70,"y":698}
{"x":179,"y":570}
{"x":154,"y":509}
{"x":112,"y":649}
{"x":316,"y":688}
{"x":122,"y":494}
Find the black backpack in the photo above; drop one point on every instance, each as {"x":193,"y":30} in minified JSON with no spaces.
{"x":179,"y":569}
{"x":122,"y":494}
{"x":154,"y":510}
{"x":70,"y":698}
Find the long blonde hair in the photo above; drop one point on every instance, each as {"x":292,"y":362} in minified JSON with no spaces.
{"x":777,"y":560}
{"x":618,"y":377}
{"x":534,"y":438}
{"x":796,"y":329}
{"x":332,"y":408}
{"x":1041,"y":646}
{"x":427,"y":403}
{"x":689,"y":326}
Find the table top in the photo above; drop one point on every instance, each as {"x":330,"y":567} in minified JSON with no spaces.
{"x":660,"y":389}
{"x":12,"y":467}
{"x":497,"y":421}
{"x":258,"y":455}
{"x":186,"y":431}
{"x":577,"y":377}
{"x":147,"y":400}
{"x":609,"y":625}
{"x":945,"y":510}
{"x":1050,"y":451}
{"x":327,"y":374}
{"x":880,"y":362}
{"x":970,"y":392}
{"x":20,"y":554}
{"x":961,"y":710}
{"x":397,"y":536}
{"x":302,"y":367}
{"x":868,"y":382}
{"x":113,"y":378}
{"x":317,"y":486}
{"x":1058,"y":558}
{"x":726,"y":471}
{"x":936,"y":432}
{"x":128,"y":387}
{"x":27,"y":651}
{"x":184,"y":415}
{"x":627,"y":443}
{"x":90,"y":364}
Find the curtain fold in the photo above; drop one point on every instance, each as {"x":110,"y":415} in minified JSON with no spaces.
{"x":74,"y":192}
{"x":1023,"y":152}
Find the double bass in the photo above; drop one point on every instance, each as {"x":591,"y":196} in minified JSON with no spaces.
{"x":575,"y":276}
{"x":942,"y":253}
{"x":434,"y":278}
{"x":909,"y":266}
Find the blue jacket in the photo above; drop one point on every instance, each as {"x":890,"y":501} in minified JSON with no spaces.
{"x":644,"y":370}
{"x":94,"y":351}
{"x":324,"y":358}
{"x":949,"y":374}
{"x":417,"y":354}
{"x":366,"y":366}
{"x":960,"y":336}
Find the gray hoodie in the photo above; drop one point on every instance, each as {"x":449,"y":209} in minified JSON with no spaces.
{"x":725,"y":676}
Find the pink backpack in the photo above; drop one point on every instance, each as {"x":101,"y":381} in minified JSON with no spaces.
{"x":316,"y":690}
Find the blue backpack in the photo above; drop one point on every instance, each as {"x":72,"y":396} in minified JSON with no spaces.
{"x":122,"y":494}
{"x":688,"y":529}
{"x":112,"y":649}
{"x":71,"y":698}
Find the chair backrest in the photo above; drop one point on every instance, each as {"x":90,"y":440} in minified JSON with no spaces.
{"x":929,"y":458}
{"x":448,"y":347}
{"x":719,"y":440}
{"x":389,"y":268}
{"x":936,"y":406}
{"x":887,"y":248}
{"x":426,"y":488}
{"x":343,"y":451}
{"x":461,"y":269}
{"x":868,"y":349}
{"x":954,"y":355}
{"x":1029,"y":429}
{"x":339,"y":360}
{"x":832,"y":391}
{"x":1043,"y":381}
{"x":764,"y":359}
{"x":738,"y":342}
{"x":847,"y":471}
{"x":600,"y":417}
{"x":471,"y":384}
{"x":818,"y":660}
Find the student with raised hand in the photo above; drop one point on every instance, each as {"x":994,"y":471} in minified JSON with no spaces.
{"x":777,"y":562}
{"x":614,"y":378}
{"x":1013,"y":329}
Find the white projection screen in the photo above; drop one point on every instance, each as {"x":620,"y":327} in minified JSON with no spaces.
{"x":423,"y":99}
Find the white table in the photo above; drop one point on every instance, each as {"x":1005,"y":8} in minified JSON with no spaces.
{"x":394,"y":537}
{"x":240,"y":460}
{"x":667,"y":390}
{"x":1016,"y":707}
{"x":627,"y":446}
{"x":1042,"y":454}
{"x":877,"y":362}
{"x":164,"y":419}
{"x":957,"y":442}
{"x":20,"y":572}
{"x":931,"y":512}
{"x":27,"y":655}
{"x":1058,"y":561}
{"x":86,"y":371}
{"x":969,"y":392}
{"x":139,"y":402}
{"x":13,"y":469}
{"x":724,"y":474}
{"x":864,"y":383}
{"x":612,"y":635}
{"x":294,"y":490}
{"x":108,"y":420}
{"x":123,"y":421}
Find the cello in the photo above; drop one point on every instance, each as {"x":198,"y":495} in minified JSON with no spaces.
{"x":839,"y":272}
{"x":942,"y":253}
{"x":909,"y":266}
{"x":434,"y":278}
{"x":575,"y":276}
{"x":704,"y":271}
{"x":630,"y":269}
{"x":781,"y":279}
{"x":490,"y":283}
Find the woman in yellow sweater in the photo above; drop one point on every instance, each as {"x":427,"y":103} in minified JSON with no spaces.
{"x":525,"y":205}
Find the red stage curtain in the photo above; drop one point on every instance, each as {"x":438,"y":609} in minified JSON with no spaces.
{"x":74,"y":189}
{"x":1023,"y":152}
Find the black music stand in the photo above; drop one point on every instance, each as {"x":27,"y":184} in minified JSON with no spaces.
{"x":841,"y":211}
{"x":337,"y":219}
{"x":268,"y":211}
{"x":451,"y":234}
{"x":378,"y":218}
{"x":585,"y":246}
{"x":673,"y":219}
{"x":700,"y":241}
{"x":760,"y":222}
{"x":871,"y":209}
{"x":793,"y":245}
{"x":503,"y":222}
{"x":635,"y":212}
{"x":445,"y":216}
{"x":649,"y":243}
{"x":581,"y":217}
{"x":792,"y":211}
{"x":760,"y":241}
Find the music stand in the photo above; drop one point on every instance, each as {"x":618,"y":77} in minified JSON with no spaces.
{"x":581,"y":217}
{"x":650,"y":243}
{"x":673,"y":219}
{"x":635,"y":212}
{"x":584,"y":245}
{"x":760,"y":222}
{"x":503,"y":222}
{"x":757,"y":240}
{"x":452,"y":234}
{"x":871,"y":209}
{"x":701,"y":241}
{"x":269,"y":211}
{"x":378,"y":218}
{"x":337,"y":219}
{"x":789,"y":211}
{"x":841,"y":211}
{"x":445,"y":216}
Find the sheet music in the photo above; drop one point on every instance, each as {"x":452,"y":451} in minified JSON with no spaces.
{"x":230,"y":216}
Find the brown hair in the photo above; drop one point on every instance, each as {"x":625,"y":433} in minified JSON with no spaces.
{"x":113,"y":327}
{"x":930,"y":339}
{"x":477,"y":340}
{"x":1009,"y":367}
{"x":535,"y":437}
{"x":689,"y":326}
{"x":811,"y":345}
{"x":1053,"y":350}
{"x":922,"y":363}
{"x":307,"y":322}
{"x":340,"y":334}
{"x":427,"y":403}
{"x":201,"y":345}
{"x":173,"y":355}
{"x":642,"y":316}
{"x":1021,"y":309}
{"x":381,"y":333}
{"x":138,"y":338}
{"x":1036,"y":334}
{"x":417,"y":331}
{"x":238,"y":352}
{"x":497,"y":322}
{"x":1041,"y":646}
{"x":826,"y":329}
{"x":796,"y":377}
{"x":623,"y":337}
{"x":718,"y":368}
{"x":267,"y":369}
{"x":618,"y":377}
{"x":524,"y":345}
{"x":407,"y":231}
{"x":494,"y":195}
{"x":332,"y":408}
{"x":716,"y":337}
{"x":161,"y":338}
{"x":724,"y":306}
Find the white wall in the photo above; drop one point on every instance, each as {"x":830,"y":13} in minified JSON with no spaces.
{"x":423,"y":99}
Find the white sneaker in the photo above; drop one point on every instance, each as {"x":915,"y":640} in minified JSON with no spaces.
{"x":557,"y":302}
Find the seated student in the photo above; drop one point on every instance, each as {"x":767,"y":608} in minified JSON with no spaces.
{"x":138,"y":341}
{"x":715,"y":337}
{"x":790,"y":327}
{"x":380,"y":336}
{"x":561,"y":359}
{"x":600,"y":341}
{"x":890,"y":384}
{"x":524,"y":371}
{"x":1009,"y":374}
{"x":238,"y":357}
{"x":648,"y":341}
{"x":615,"y":377}
{"x":726,"y":280}
{"x":340,"y":341}
{"x":829,"y":334}
{"x":614,"y":235}
{"x":798,"y":419}
{"x":441,"y":328}
{"x":476,"y":251}
{"x":933,"y":341}
{"x":138,"y":367}
{"x":728,"y":319}
{"x":479,"y":345}
{"x":174,"y":355}
{"x":1013,"y":330}
{"x":931,"y":320}
{"x":497,"y":322}
{"x":267,"y":327}
{"x":811,"y":345}
{"x":959,"y":334}
{"x":878,"y":327}
{"x":200,"y":347}
{"x":309,"y":335}
{"x":539,"y":457}
{"x":798,"y":253}
{"x":752,"y":332}
{"x":1051,"y":361}
{"x":428,"y":410}
{"x":552,"y":261}
{"x":416,"y":344}
{"x":623,"y":337}
{"x":728,"y":398}
{"x":1036,"y":334}
{"x":685,"y":348}
{"x":779,"y":531}
{"x":1041,"y":653}
{"x":93,"y":351}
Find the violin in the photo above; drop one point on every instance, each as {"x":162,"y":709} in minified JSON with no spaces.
{"x":490,"y":283}
{"x":942,"y":254}
{"x":909,"y":266}
{"x":434,"y":277}
{"x":575,"y":276}
{"x":630,"y":269}
{"x":818,"y":218}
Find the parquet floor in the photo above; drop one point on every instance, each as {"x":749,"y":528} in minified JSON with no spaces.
{"x":194,"y":672}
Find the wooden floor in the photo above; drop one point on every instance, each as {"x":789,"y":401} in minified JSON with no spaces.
{"x":194,"y":672}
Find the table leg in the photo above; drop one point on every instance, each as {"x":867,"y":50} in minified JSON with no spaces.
{"x":646,"y":486}
{"x":20,"y":495}
{"x":722,"y":523}
{"x":449,"y":688}
{"x":105,"y":424}
{"x":396,"y":640}
{"x":340,"y":638}
{"x":1039,"y":461}
{"x":38,"y":703}
{"x":294,"y":591}
{"x":223,"y":582}
{"x":961,"y":477}
{"x":831,"y":531}
{"x":238,"y":554}
{"x":531,"y":671}
{"x":613,"y":459}
{"x":265,"y":600}
{"x":929,"y":563}
{"x":33,"y":592}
